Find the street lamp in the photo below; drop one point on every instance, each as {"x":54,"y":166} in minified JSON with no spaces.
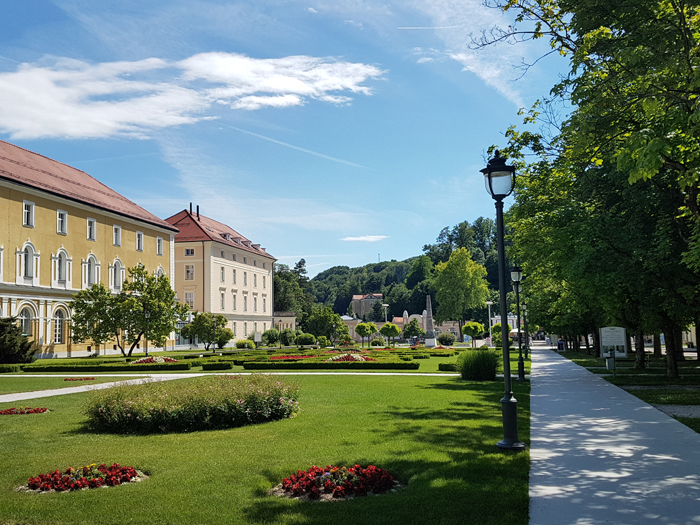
{"x":489,"y":303}
{"x":527,"y":332}
{"x":385,"y":306}
{"x":500,"y":181}
{"x":516,"y":274}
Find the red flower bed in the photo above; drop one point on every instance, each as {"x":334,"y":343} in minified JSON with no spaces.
{"x":22,"y":410}
{"x":350,"y":357}
{"x":157,"y":359}
{"x":79,"y":379}
{"x":338,"y":482}
{"x":90,"y":477}
{"x":278,"y":357}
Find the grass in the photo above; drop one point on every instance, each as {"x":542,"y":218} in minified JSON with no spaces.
{"x":668,"y":397}
{"x":29,"y":383}
{"x":437,"y":435}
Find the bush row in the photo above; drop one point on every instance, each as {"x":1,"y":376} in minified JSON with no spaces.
{"x":329,"y":365}
{"x":119,"y":367}
{"x":203,"y":403}
{"x":9,"y":368}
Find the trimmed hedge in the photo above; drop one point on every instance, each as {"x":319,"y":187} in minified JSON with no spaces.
{"x":332,"y":365}
{"x":478,"y":365}
{"x":9,"y":368}
{"x":217,"y":366}
{"x":62,"y":362}
{"x":420,"y":356}
{"x":107,"y":367}
{"x":447,"y":367}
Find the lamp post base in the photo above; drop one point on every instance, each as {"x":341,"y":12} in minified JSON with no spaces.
{"x":510,"y":440}
{"x":521,"y":370}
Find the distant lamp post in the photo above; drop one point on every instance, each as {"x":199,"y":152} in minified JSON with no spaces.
{"x":385,"y":306}
{"x":500,"y":181}
{"x":527,"y":332}
{"x":280,"y":330}
{"x":147,"y":315}
{"x":516,"y":275}
{"x":489,"y":303}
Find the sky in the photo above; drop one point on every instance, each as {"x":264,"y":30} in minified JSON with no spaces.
{"x":341,"y":132}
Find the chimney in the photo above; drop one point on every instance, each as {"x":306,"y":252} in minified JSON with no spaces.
{"x":197,"y":211}
{"x":190,"y":208}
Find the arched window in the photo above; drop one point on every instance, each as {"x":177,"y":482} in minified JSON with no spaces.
{"x":91,"y":271}
{"x":61,"y":267}
{"x":160,"y":272}
{"x":25,"y":321}
{"x":117,"y":277}
{"x":58,"y":326}
{"x":28,"y":262}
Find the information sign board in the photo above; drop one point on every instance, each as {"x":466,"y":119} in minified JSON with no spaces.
{"x":613,"y":342}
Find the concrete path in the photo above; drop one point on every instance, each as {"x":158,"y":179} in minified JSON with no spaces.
{"x":601,"y":455}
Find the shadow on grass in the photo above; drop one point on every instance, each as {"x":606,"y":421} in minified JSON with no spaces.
{"x":446,"y":461}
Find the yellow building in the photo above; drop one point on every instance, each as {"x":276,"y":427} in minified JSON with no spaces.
{"x":61,"y":231}
{"x":218,"y":270}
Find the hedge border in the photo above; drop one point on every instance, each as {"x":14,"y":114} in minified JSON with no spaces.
{"x":217,"y":366}
{"x":107,"y":367}
{"x":326,"y":365}
{"x":8,"y":368}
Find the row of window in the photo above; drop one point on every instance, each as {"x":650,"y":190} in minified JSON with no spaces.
{"x":59,"y":324}
{"x":245,"y":278}
{"x":91,"y":226}
{"x":189,"y":301}
{"x":189,"y":252}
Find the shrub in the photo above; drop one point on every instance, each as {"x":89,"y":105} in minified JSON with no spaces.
{"x":223,"y":336}
{"x":446,"y":338}
{"x":478,"y":365}
{"x":118,"y":367}
{"x":204,"y":403}
{"x":271,"y":337}
{"x":331,"y":365}
{"x":378,"y":341}
{"x":15,"y":347}
{"x":497,"y":338}
{"x":306,"y":339}
{"x":421,"y":356}
{"x":323,"y":341}
{"x":245,"y":343}
{"x":217,"y":366}
{"x":447,"y":367}
{"x":9,"y":368}
{"x":288,"y":336}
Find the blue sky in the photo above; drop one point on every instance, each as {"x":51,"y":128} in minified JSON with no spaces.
{"x":341,"y":132}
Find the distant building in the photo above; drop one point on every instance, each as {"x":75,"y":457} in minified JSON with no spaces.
{"x":362,"y":304}
{"x":62,"y":231}
{"x":218,"y":270}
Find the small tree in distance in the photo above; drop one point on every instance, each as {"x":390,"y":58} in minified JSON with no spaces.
{"x":206,"y":327}
{"x":473,"y":330}
{"x":390,"y":330}
{"x":412,"y":329}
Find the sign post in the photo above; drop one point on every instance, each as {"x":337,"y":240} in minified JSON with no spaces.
{"x":613,"y":343}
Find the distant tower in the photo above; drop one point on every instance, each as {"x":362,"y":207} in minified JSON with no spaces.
{"x":429,"y":328}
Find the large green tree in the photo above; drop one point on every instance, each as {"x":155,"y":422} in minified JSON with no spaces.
{"x":15,"y":346}
{"x":208,"y":328}
{"x":324,"y":321}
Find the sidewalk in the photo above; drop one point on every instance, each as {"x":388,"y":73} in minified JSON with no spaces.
{"x":601,"y":455}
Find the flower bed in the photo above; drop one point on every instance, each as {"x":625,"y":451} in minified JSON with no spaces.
{"x":205,"y":403}
{"x":284,"y":357}
{"x":336,"y":483}
{"x":79,"y":379}
{"x":154,"y":359}
{"x":88,"y":477}
{"x":22,"y":410}
{"x":344,"y":358}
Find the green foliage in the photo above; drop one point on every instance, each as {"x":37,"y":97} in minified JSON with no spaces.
{"x":223,"y":336}
{"x":271,"y":336}
{"x":99,"y":316}
{"x":324,"y":342}
{"x":413,"y":329}
{"x":378,"y":341}
{"x":206,"y":327}
{"x":205,"y":403}
{"x":288,"y":336}
{"x":245,"y":343}
{"x":460,"y":284}
{"x":390,"y":330}
{"x":217,"y":366}
{"x":446,"y":338}
{"x":291,"y":291}
{"x":324,"y":321}
{"x":306,"y":339}
{"x":447,"y":367}
{"x":15,"y":347}
{"x":473,"y":330}
{"x":478,"y":365}
{"x":497,"y":336}
{"x":332,"y":365}
{"x":8,"y":368}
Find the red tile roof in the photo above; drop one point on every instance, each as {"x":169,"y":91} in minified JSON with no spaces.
{"x":30,"y":169}
{"x":195,"y":227}
{"x":367,"y":296}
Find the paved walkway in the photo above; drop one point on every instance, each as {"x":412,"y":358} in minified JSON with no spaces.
{"x":601,"y":455}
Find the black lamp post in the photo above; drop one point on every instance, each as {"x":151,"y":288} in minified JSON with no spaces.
{"x":527,"y":332}
{"x":500,"y":181}
{"x":516,"y":274}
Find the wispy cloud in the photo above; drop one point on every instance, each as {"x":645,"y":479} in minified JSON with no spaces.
{"x":65,"y":98}
{"x":366,"y":238}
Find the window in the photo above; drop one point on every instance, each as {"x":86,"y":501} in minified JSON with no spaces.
{"x":234,"y":276}
{"x":117,"y":235}
{"x":223,"y":300}
{"x":245,"y":260}
{"x":25,"y":321}
{"x":245,"y":303}
{"x":159,"y":246}
{"x":255,"y":280}
{"x":91,"y":229}
{"x":264,"y":282}
{"x":233,"y":301}
{"x":264,"y":327}
{"x":223,"y":254}
{"x":58,"y":320}
{"x":255,"y":262}
{"x":245,"y":278}
{"x":189,"y":252}
{"x":91,"y":274}
{"x":61,"y":267}
{"x":189,"y":299}
{"x":264,"y":304}
{"x":255,"y":304}
{"x":264,"y":265}
{"x":245,"y":329}
{"x":28,"y":214}
{"x":139,"y":241}
{"x":28,"y":262}
{"x":62,"y":222}
{"x":223,"y":274}
{"x":233,"y":256}
{"x":117,"y":275}
{"x":189,"y":272}
{"x":234,"y":328}
{"x":255,"y":327}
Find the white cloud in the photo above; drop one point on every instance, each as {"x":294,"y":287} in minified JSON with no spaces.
{"x":65,"y":98}
{"x":359,"y":25}
{"x":366,"y":238}
{"x":312,"y":10}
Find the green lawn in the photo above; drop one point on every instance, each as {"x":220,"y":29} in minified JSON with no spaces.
{"x":668,"y":397}
{"x":437,"y":435}
{"x":29,"y":383}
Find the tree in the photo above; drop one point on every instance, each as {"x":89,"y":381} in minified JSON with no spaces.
{"x":460,"y":284}
{"x":324,"y":321}
{"x":290,"y":291}
{"x":100,"y":316}
{"x":271,"y":336}
{"x":413,"y":329}
{"x":363,"y":330}
{"x":288,"y":336}
{"x":421,"y":269}
{"x":446,"y":338}
{"x":15,"y":346}
{"x":206,"y":327}
{"x":473,"y":330}
{"x":390,"y":330}
{"x":223,"y":336}
{"x":498,"y":336}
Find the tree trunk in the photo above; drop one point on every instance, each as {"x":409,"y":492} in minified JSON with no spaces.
{"x":671,"y":364}
{"x":639,"y":362}
{"x":629,"y":340}
{"x":697,"y":338}
{"x":577,"y":343}
{"x":680,"y":355}
{"x":657,"y":345}
{"x":596,"y":343}
{"x":588,"y":345}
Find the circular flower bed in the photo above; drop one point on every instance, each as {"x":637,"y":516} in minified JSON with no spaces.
{"x":284,"y":357}
{"x":79,"y":379}
{"x":336,"y":483}
{"x":154,"y":359}
{"x":88,"y":477}
{"x":350,"y":357}
{"x":22,"y":410}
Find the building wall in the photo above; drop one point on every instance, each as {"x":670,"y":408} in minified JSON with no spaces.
{"x":45,"y":292}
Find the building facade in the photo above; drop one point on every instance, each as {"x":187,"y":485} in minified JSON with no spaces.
{"x":62,"y":231}
{"x":362,"y":304}
{"x":220,"y":271}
